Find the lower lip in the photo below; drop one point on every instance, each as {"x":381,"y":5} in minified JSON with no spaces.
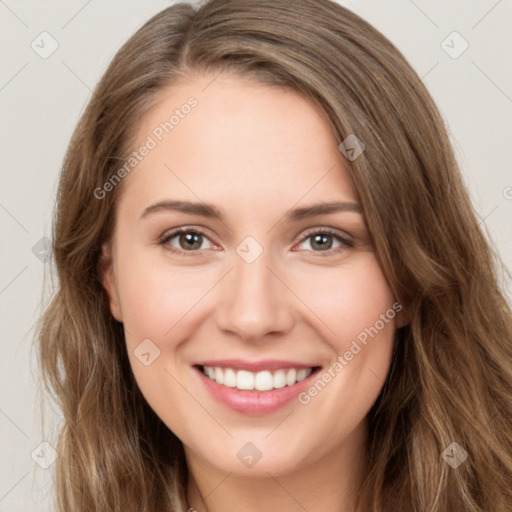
{"x":254,"y":402}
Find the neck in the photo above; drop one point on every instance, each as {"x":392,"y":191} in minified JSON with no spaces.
{"x":328,"y":484}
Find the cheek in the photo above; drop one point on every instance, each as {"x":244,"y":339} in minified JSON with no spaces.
{"x":349,"y":300}
{"x":155,"y":298}
{"x":157,"y":303}
{"x":359,"y":309}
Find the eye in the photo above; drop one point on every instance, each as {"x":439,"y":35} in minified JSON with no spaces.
{"x":187,"y":240}
{"x":325,"y":240}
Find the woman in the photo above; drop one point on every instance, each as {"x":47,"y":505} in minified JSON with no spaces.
{"x":273,"y":289}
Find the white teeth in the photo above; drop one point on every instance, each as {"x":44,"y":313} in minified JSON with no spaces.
{"x":302,"y":374}
{"x":291,"y":377}
{"x":279,"y":379}
{"x":230,"y":378}
{"x":260,"y":381}
{"x":263,"y":381}
{"x":244,"y":380}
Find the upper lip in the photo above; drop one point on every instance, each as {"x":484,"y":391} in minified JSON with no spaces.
{"x":254,"y":366}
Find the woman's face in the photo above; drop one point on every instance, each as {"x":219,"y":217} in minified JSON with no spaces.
{"x":272,"y":280}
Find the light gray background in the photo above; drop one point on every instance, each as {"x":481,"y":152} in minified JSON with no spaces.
{"x":41,"y":100}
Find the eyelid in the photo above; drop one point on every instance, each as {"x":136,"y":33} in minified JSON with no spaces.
{"x":325,"y":230}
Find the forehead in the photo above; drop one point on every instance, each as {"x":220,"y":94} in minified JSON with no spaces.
{"x":233,"y":141}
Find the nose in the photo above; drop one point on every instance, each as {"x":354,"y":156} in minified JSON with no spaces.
{"x":254,"y":302}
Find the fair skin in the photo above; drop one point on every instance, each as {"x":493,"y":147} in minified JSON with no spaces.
{"x":254,"y":153}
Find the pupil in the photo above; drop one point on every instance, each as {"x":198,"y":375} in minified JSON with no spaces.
{"x":190,"y":241}
{"x":322,"y":242}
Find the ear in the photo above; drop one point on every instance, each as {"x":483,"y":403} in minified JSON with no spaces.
{"x":108,"y":279}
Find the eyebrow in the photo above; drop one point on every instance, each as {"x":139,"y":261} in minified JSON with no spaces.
{"x":210,"y":211}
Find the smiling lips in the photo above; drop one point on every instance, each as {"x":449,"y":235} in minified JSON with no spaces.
{"x":254,"y":387}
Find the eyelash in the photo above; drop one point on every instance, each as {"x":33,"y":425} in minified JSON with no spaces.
{"x":344,"y":243}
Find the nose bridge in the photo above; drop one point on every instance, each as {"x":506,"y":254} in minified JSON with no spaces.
{"x":254,"y":303}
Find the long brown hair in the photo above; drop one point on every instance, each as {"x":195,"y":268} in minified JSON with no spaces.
{"x":451,"y":374}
